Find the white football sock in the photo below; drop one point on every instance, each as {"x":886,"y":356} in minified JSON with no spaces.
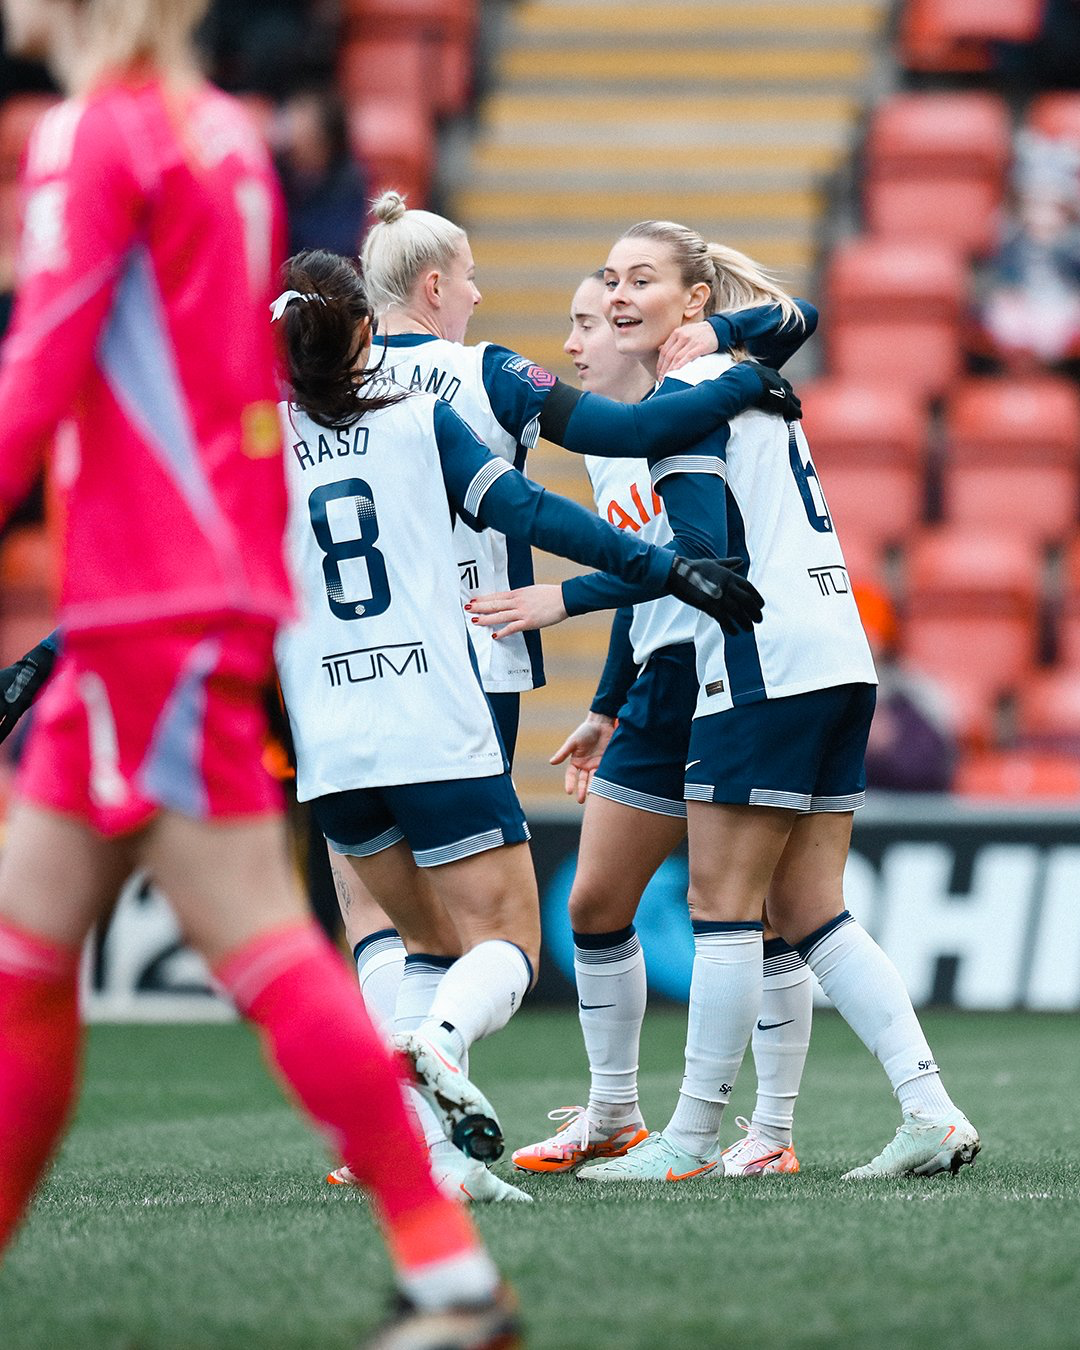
{"x":610,"y":973}
{"x":481,"y":991}
{"x":421,"y":978}
{"x":866,"y":989}
{"x":781,"y":1040}
{"x":725,"y":991}
{"x":380,"y":960}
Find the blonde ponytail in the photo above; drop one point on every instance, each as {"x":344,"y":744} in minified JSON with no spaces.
{"x":735,"y":281}
{"x":401,"y":246}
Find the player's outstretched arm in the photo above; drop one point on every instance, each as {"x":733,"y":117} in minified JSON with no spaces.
{"x":21,"y":682}
{"x":589,"y":424}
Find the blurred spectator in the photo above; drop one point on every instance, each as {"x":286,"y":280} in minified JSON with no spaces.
{"x":270,"y":46}
{"x":911,"y":747}
{"x":1031,"y":290}
{"x":325,"y":189}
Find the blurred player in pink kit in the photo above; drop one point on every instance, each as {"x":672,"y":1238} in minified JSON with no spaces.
{"x":141,"y":348}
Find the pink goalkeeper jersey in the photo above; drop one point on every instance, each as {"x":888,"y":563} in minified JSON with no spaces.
{"x":141,"y":347}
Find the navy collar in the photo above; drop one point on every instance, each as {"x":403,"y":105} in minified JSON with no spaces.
{"x":404,"y":339}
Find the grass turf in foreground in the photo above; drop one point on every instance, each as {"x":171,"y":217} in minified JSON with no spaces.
{"x":188,"y":1209}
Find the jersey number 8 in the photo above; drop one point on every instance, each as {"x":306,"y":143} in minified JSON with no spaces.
{"x":357,"y":511}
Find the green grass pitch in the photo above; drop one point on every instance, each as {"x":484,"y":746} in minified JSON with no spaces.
{"x":188,"y":1210}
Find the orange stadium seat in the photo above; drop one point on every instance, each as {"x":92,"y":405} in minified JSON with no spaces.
{"x":1018,"y":775}
{"x":896,"y":308}
{"x":395,"y":142}
{"x":1056,"y":115}
{"x":936,"y":168}
{"x":18,"y":116}
{"x":1013,"y":456}
{"x":972,"y":607}
{"x":955,"y":36}
{"x":868,"y":441}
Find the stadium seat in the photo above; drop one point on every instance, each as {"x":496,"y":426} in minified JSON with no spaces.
{"x":895,"y":312}
{"x":404,"y":69}
{"x":1018,"y":775}
{"x":444,"y":27}
{"x":1048,"y":711}
{"x":956,"y":36}
{"x":1056,"y":115}
{"x":18,"y":116}
{"x":973,"y":712}
{"x":1068,"y":619}
{"x":1013,"y":456}
{"x":936,"y":168}
{"x":394,"y":140}
{"x":867,"y":440}
{"x":972,"y":608}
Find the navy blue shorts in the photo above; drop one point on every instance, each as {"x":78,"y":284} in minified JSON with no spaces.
{"x":441,"y":822}
{"x":645,"y":761}
{"x":804,"y":753}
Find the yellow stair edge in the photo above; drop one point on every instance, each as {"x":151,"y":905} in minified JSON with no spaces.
{"x":687,"y":64}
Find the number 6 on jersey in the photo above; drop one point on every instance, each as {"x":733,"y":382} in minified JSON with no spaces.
{"x":352,"y":563}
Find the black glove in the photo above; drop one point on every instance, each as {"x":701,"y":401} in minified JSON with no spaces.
{"x":777,"y":396}
{"x":21,"y":683}
{"x":717,"y":589}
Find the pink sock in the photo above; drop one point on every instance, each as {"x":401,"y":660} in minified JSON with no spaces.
{"x":39,"y":1059}
{"x":315,"y":1029}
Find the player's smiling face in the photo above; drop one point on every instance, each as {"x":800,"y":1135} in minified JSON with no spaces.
{"x":591,"y":344}
{"x":645,"y":297}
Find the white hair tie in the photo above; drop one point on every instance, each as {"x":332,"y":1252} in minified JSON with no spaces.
{"x":285,"y":299}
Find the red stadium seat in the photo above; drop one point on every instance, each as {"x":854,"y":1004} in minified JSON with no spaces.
{"x":1018,"y":775}
{"x":1013,"y":456}
{"x":1056,"y":115}
{"x":863,"y":557}
{"x":1068,"y":633}
{"x":972,"y":608}
{"x":404,"y":69}
{"x":445,"y":28}
{"x":973,"y":712}
{"x":956,"y":35}
{"x":18,"y":116}
{"x":1048,"y":711}
{"x":867,"y":440}
{"x":395,"y":142}
{"x":936,"y":168}
{"x":896,"y":309}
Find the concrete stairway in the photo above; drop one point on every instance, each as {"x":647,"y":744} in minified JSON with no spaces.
{"x":722,"y":115}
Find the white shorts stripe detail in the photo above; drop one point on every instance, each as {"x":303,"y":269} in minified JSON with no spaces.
{"x":791,"y":801}
{"x":641,"y":801}
{"x":385,"y":840}
{"x":687,"y":464}
{"x":464,"y":848}
{"x":851,"y":802}
{"x":484,"y":478}
{"x":698,"y":792}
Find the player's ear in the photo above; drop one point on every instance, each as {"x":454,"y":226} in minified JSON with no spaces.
{"x":431,"y":283}
{"x":697,"y":297}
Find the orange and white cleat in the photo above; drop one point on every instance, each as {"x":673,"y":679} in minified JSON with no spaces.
{"x":343,"y":1176}
{"x":459,"y":1178}
{"x":752,"y":1156}
{"x":577,"y":1140}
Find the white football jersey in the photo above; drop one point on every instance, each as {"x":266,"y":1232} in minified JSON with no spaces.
{"x":810,"y":636}
{"x":490,"y":388}
{"x":626,"y":499}
{"x":377,"y":672}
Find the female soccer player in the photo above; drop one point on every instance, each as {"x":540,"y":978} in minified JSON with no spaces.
{"x":634,"y":811}
{"x":150,"y":225}
{"x":397,"y":748}
{"x":774,"y":768}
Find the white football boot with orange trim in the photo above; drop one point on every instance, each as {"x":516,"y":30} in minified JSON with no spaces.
{"x":577,"y":1140}
{"x":458,"y":1177}
{"x":752,"y":1156}
{"x":656,"y":1158}
{"x":921,"y":1147}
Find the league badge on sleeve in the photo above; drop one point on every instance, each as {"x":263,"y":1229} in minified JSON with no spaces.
{"x":533,"y":375}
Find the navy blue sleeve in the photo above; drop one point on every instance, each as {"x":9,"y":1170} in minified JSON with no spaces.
{"x":599,"y":426}
{"x":52,"y":641}
{"x":620,"y":670}
{"x":517,"y":389}
{"x":487,"y":491}
{"x":764,"y":331}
